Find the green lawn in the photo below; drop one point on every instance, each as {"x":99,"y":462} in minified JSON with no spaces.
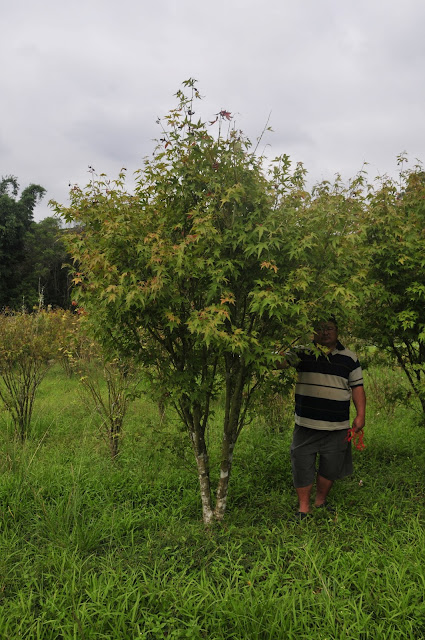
{"x":96,"y":549}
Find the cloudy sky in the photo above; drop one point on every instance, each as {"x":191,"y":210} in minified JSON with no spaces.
{"x":83,"y":82}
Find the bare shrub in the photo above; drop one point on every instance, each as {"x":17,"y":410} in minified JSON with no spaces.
{"x":108,"y":384}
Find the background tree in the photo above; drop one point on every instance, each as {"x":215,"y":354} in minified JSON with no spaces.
{"x":393,"y":314}
{"x":208,"y":270}
{"x":16,"y":216}
{"x":43,"y":268}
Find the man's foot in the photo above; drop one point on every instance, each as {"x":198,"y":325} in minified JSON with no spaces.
{"x":326,"y":507}
{"x":302,"y":515}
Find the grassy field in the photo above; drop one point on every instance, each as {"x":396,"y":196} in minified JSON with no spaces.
{"x":96,"y":549}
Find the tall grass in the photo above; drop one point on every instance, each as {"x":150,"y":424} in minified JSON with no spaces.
{"x":95,"y":549}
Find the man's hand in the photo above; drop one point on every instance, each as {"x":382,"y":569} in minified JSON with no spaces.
{"x":358,"y":423}
{"x":359,"y":399}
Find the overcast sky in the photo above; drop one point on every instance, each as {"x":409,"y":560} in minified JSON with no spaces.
{"x":83,"y":82}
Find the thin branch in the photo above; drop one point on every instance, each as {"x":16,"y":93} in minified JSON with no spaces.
{"x":262,"y":133}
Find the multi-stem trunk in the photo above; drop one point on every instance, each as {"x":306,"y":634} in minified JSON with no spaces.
{"x":195,"y":416}
{"x":20,"y":385}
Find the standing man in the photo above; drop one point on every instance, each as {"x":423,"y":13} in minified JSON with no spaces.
{"x":325,"y":386}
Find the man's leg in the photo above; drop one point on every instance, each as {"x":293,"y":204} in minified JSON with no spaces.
{"x":335,"y":462}
{"x":323,"y":486}
{"x":303,"y":459}
{"x":303,"y":494}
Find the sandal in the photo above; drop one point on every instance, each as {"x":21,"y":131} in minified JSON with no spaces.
{"x":327,"y":507}
{"x":302,"y":515}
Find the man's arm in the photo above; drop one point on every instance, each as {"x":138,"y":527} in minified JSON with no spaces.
{"x":359,"y":399}
{"x":290,"y":358}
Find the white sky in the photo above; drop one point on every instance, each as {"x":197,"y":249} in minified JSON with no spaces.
{"x":83,"y":82}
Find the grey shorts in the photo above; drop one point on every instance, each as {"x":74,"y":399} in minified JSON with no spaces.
{"x":335,"y":457}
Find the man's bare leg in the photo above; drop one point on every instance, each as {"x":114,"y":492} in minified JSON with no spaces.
{"x":323,"y":486}
{"x":304,"y":494}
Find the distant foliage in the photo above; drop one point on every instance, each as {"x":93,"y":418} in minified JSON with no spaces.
{"x":32,"y":254}
{"x":16,"y":217}
{"x":45,"y":271}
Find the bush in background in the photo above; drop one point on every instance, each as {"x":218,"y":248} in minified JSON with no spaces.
{"x":29,"y":344}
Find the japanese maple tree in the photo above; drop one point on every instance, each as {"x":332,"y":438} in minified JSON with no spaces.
{"x":208,"y":269}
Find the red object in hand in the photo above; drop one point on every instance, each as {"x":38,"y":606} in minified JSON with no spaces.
{"x":356,"y":437}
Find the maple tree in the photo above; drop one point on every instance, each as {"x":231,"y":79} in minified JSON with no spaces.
{"x":393,"y":310}
{"x":209,"y":268}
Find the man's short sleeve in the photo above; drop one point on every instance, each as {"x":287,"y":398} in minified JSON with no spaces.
{"x":355,"y":378}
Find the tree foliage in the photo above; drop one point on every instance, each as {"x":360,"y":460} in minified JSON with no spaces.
{"x":210,"y":268}
{"x":394,"y":299}
{"x":32,"y":254}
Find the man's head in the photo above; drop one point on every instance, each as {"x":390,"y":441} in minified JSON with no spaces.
{"x":326,"y":334}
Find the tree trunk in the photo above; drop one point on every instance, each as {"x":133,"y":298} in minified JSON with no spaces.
{"x":234,"y":396}
{"x":205,"y":487}
{"x":197,"y":437}
{"x":223,"y":483}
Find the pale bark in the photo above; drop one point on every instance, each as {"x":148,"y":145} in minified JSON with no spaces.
{"x":205,"y":488}
{"x":223,"y":483}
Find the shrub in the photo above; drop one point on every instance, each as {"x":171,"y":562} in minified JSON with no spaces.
{"x":28,"y":347}
{"x":108,"y":384}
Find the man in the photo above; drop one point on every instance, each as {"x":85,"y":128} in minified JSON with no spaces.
{"x":325,"y":385}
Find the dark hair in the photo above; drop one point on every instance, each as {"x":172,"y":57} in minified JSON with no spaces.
{"x":333,"y":320}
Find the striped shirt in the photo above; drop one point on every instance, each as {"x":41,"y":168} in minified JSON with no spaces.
{"x":323,"y":390}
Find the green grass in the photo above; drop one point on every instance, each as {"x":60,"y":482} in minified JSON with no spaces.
{"x":95,"y":549}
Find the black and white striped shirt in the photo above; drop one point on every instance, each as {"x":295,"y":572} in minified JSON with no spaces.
{"x":323,"y":390}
